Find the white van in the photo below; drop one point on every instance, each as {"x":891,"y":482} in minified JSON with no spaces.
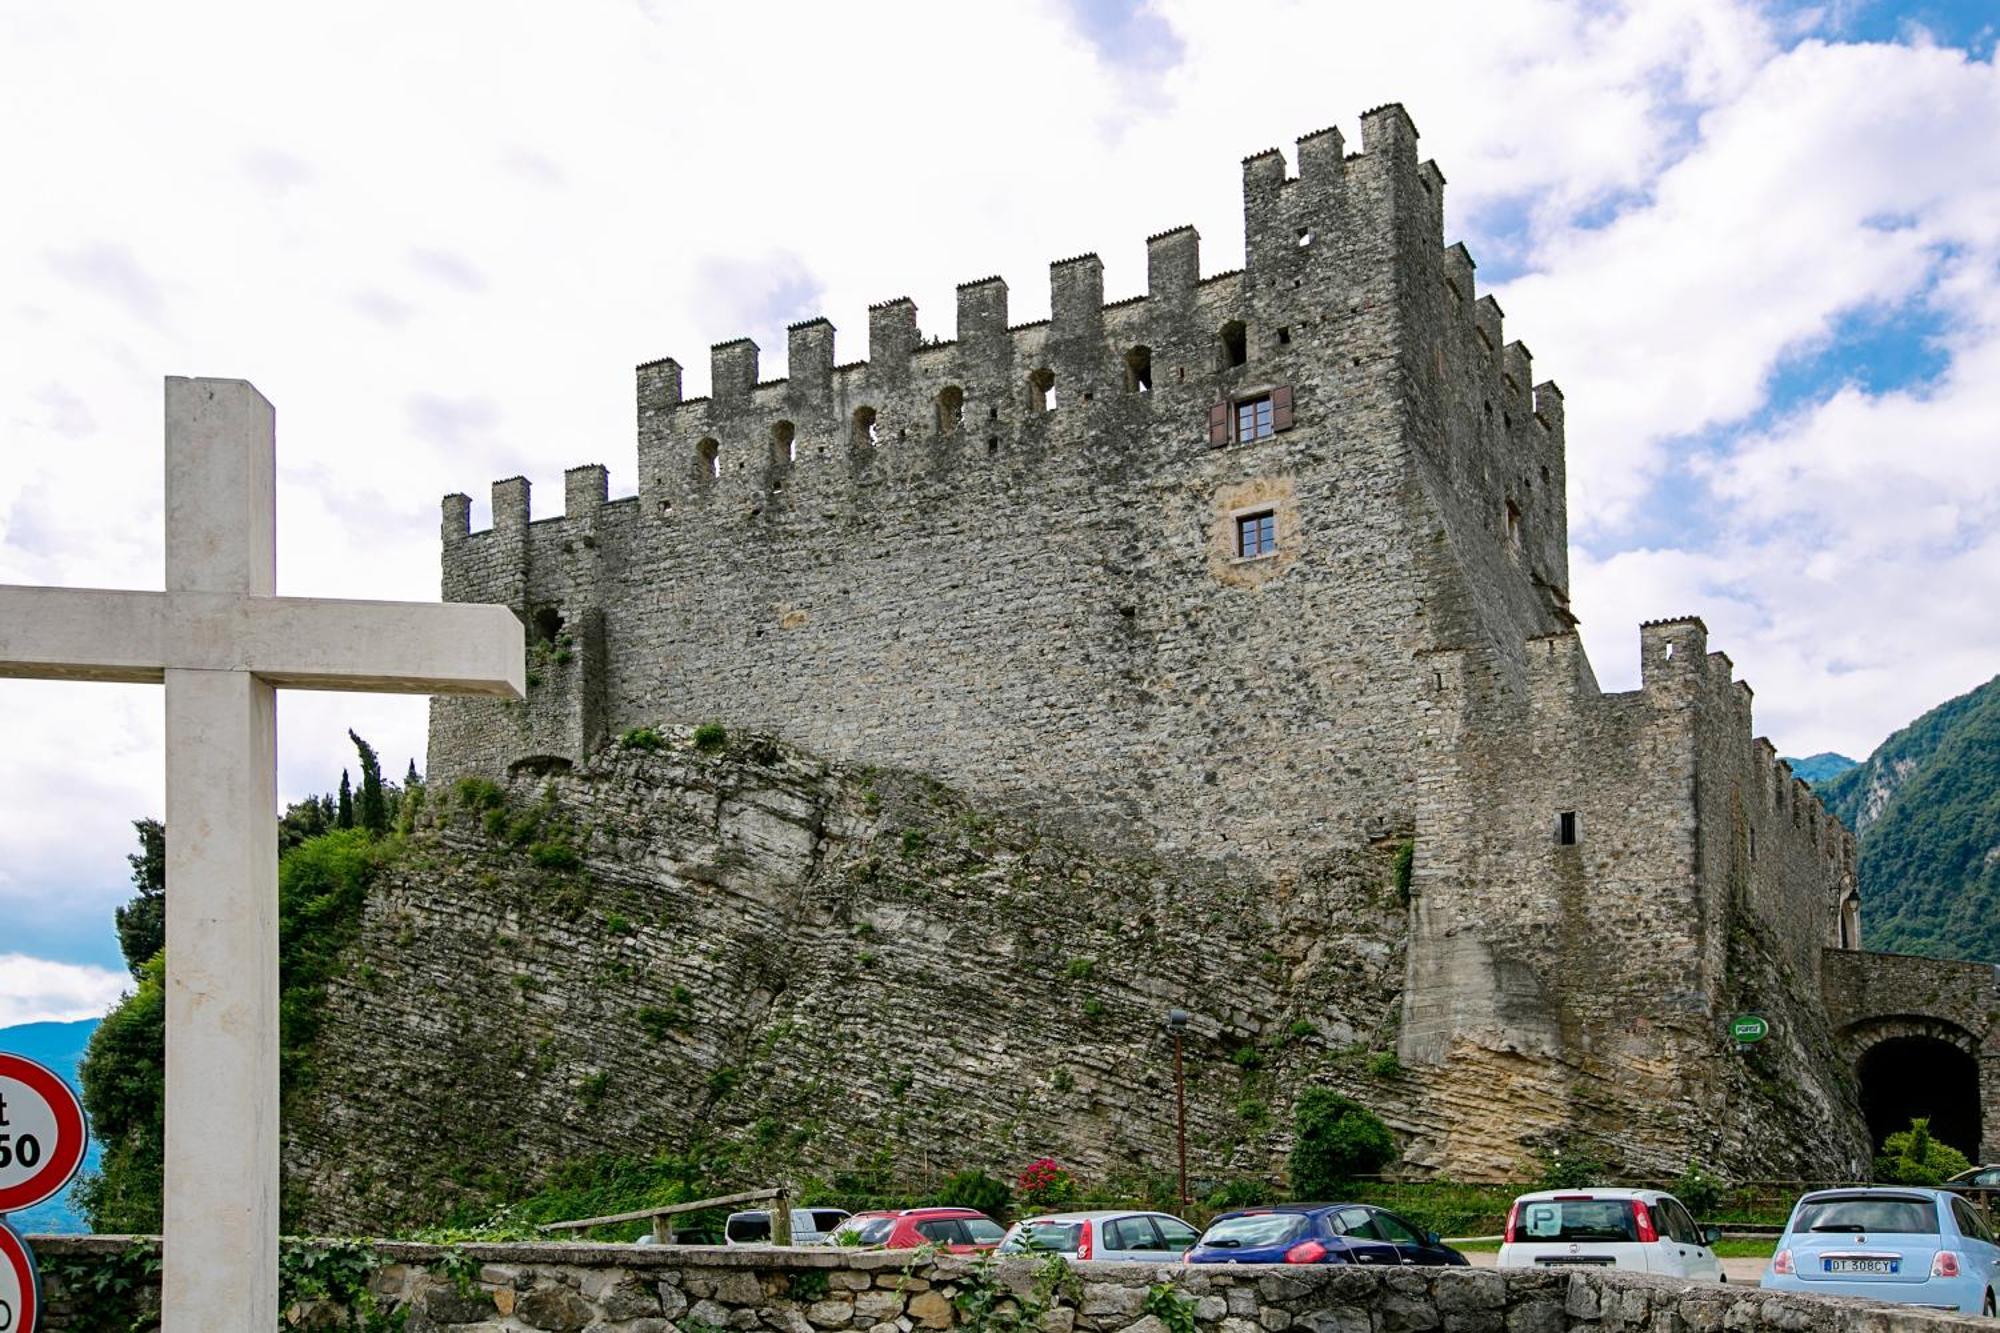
{"x":1647,"y":1231}
{"x":810,"y":1226}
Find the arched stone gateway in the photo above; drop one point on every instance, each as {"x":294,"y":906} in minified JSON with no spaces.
{"x":1910,"y":1066}
{"x":1920,"y":1036}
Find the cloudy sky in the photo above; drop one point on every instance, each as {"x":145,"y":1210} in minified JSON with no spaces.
{"x":1758,"y":245}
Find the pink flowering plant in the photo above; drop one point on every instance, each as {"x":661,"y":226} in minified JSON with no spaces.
{"x":1045,"y":1186}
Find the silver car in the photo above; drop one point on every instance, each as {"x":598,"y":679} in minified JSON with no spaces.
{"x":810,"y":1226}
{"x":1114,"y":1234}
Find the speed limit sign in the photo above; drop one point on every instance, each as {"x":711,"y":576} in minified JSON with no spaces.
{"x":41,"y":1134}
{"x":20,"y":1295}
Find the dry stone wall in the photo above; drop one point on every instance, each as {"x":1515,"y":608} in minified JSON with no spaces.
{"x":631,"y":1289}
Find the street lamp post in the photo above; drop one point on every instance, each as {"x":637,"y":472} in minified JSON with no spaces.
{"x":1177,"y":1021}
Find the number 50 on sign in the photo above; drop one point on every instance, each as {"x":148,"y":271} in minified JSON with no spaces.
{"x":41,"y":1133}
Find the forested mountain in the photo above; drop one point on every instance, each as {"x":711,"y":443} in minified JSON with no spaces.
{"x":1819,"y":768}
{"x":1926,"y":806}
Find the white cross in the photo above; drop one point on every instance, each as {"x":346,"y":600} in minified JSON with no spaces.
{"x":222,"y":641}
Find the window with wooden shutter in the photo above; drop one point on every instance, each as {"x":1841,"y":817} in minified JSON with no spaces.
{"x":1218,"y":424}
{"x":1281,"y":407}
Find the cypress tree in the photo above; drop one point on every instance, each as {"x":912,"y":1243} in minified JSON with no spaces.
{"x":142,"y":923}
{"x":373,"y":813}
{"x":345,"y":819}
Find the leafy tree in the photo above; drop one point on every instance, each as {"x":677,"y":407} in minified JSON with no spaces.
{"x":373,"y":812}
{"x":302,"y":819}
{"x":124,"y":1090}
{"x":345,"y":818}
{"x":1912,"y":1157}
{"x":142,"y":923}
{"x":1337,"y":1139}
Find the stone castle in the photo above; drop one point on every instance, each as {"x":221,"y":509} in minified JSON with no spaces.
{"x":1261,"y":575}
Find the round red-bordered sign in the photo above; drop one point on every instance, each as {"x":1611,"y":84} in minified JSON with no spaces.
{"x":20,"y":1289}
{"x":42,"y":1135}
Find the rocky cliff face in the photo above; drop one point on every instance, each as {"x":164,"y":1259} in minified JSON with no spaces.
{"x":823,"y":969}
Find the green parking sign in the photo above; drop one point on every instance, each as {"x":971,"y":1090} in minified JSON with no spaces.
{"x":1747,"y":1028}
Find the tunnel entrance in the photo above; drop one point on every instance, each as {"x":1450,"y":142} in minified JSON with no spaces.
{"x":1906,"y":1077}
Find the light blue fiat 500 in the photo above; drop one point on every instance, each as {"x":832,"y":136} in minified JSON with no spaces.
{"x":1912,"y":1246}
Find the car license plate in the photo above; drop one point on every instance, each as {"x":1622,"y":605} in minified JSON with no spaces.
{"x":1875,"y":1267}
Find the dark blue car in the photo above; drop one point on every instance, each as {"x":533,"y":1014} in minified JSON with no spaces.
{"x":1318,"y":1233}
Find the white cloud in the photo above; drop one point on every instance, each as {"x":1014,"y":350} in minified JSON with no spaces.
{"x":35,"y":990}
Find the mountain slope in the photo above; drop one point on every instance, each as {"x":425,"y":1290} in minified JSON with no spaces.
{"x":1822,"y":767}
{"x":60,"y":1046}
{"x":1926,"y":807}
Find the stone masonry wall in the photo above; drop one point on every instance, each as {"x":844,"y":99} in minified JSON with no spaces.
{"x":1876,"y":997}
{"x":641,"y":1289}
{"x":905,"y":561}
{"x":1592,"y":982}
{"x":1006,"y":561}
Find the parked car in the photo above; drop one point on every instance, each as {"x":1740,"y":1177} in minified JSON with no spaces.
{"x":1908,"y":1245}
{"x":1981,"y":1185}
{"x":810,"y":1226}
{"x":1318,"y":1233}
{"x":1648,"y":1231}
{"x":959,"y":1230}
{"x":1106,"y":1234}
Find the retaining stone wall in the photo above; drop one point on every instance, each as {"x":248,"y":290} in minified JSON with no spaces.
{"x":642,"y":1289}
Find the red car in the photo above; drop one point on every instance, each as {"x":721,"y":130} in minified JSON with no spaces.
{"x":958,"y":1230}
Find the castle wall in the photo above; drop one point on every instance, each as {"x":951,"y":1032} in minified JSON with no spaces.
{"x":1613,"y":963}
{"x":904,"y":561}
{"x":1007,"y":559}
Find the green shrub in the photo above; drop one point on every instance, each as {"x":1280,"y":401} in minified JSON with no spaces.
{"x":1248,"y":1058}
{"x":1384,"y":1064}
{"x":975,"y":1189}
{"x":1093,"y":1007}
{"x":658,"y":1020}
{"x":1165,"y":1303}
{"x":642,"y":738}
{"x":1701,"y":1192}
{"x":554,"y":855}
{"x":480,"y":793}
{"x":616,"y":924}
{"x":1405,"y":870}
{"x":1912,"y":1157}
{"x":710,"y":737}
{"x":1241,"y":1192}
{"x":1569,"y":1166}
{"x":1303,"y":1028}
{"x":1079,"y":969}
{"x":1338,"y":1139}
{"x":913,"y":842}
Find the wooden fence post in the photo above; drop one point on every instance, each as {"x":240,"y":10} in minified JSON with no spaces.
{"x":781,"y":1217}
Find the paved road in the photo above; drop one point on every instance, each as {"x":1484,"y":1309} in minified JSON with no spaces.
{"x":1744,"y":1271}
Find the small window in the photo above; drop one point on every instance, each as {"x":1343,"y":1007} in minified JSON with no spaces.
{"x":950,"y":409}
{"x":1139,"y":370}
{"x":548,"y":623}
{"x":784,"y":442}
{"x":1041,"y":389}
{"x":864,"y":427}
{"x":710,"y":455}
{"x":1566,"y":829}
{"x":1305,"y":237}
{"x":1753,"y":844}
{"x":1253,"y":418}
{"x":1256,"y":534}
{"x":1513,"y":525}
{"x":1235,"y":344}
{"x":1284,"y":337}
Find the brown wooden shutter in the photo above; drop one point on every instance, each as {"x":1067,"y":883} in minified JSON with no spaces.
{"x":1281,"y":407}
{"x":1218,"y":424}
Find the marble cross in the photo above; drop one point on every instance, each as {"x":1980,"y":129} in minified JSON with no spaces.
{"x":222,"y":642}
